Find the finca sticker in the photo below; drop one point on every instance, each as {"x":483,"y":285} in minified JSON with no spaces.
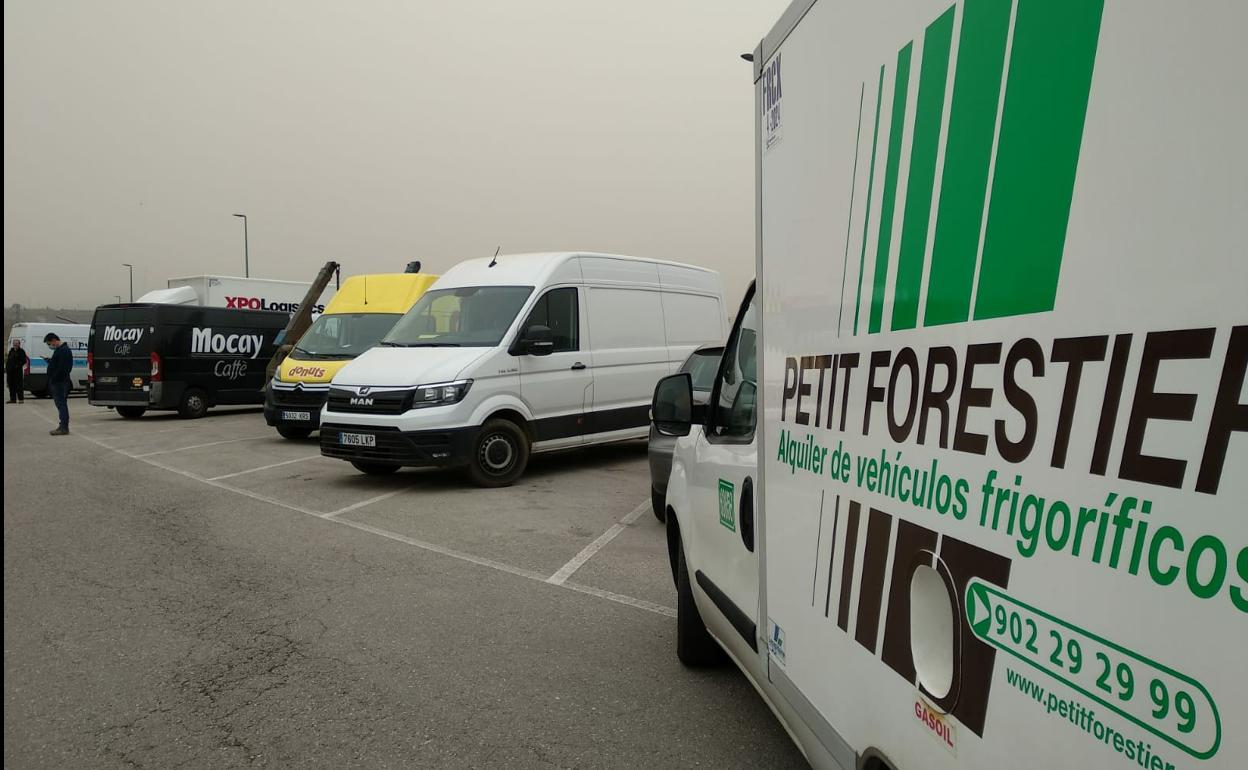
{"x":727,"y":505}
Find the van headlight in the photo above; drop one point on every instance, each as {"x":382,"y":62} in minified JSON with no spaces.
{"x":440,"y":393}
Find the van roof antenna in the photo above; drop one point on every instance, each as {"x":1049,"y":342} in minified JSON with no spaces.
{"x":365,"y":289}
{"x":494,"y":261}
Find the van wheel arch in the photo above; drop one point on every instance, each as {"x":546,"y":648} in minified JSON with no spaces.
{"x":500,"y":453}
{"x":874,"y":759}
{"x":511,"y":415}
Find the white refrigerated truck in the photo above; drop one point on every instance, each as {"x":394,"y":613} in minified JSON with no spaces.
{"x":235,"y":292}
{"x":991,"y":510}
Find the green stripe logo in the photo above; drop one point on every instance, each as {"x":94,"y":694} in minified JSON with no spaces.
{"x":996,"y":225}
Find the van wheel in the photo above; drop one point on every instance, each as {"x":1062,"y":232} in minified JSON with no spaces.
{"x":39,"y":393}
{"x":374,"y":469}
{"x":194,"y":405}
{"x":694,"y":645}
{"x":499,"y":454}
{"x":294,"y":434}
{"x":131,"y":412}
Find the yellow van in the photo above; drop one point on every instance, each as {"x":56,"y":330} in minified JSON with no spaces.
{"x":360,"y":314}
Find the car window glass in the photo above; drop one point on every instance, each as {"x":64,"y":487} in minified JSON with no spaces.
{"x":470,"y":316}
{"x":557,"y":309}
{"x":702,"y":367}
{"x":734,"y":409}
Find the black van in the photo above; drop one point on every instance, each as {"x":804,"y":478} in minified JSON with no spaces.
{"x":183,"y":357}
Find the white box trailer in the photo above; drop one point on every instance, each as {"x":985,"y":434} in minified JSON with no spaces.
{"x":234,"y":292}
{"x":992,"y":511}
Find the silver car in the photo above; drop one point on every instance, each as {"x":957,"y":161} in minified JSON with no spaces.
{"x":702,"y":365}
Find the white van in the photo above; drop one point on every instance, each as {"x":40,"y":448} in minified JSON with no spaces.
{"x":31,"y":335}
{"x":972,"y":488}
{"x":517,"y":354}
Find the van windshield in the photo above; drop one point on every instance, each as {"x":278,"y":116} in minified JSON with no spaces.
{"x":471,"y":317}
{"x":344,"y":335}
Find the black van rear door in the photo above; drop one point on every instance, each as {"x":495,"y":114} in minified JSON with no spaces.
{"x":120,"y":344}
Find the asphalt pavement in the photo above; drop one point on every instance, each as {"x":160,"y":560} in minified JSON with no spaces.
{"x":206,"y":594}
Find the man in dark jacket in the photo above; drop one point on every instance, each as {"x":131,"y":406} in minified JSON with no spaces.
{"x":14,"y":369}
{"x":60,"y":367}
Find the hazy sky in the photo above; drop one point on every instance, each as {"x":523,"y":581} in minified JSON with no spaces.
{"x":371,"y":133}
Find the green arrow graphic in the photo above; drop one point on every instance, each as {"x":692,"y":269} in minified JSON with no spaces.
{"x":978,"y":610}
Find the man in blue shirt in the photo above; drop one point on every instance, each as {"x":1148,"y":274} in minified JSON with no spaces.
{"x":60,"y":368}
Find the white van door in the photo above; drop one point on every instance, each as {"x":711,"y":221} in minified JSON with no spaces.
{"x":630,"y":356}
{"x":557,"y":387}
{"x":723,"y":478}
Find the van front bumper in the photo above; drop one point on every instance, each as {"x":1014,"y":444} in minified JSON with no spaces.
{"x":35,"y":382}
{"x":280,"y":404}
{"x":446,"y":448}
{"x":151,"y":395}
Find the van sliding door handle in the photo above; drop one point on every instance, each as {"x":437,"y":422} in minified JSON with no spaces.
{"x":576,"y":367}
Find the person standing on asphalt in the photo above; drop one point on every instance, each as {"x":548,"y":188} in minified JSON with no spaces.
{"x":60,"y":367}
{"x":14,"y":369}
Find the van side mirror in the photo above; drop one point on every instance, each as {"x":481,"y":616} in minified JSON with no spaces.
{"x":537,"y":340}
{"x":672,"y":407}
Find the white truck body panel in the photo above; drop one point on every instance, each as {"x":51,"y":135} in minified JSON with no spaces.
{"x":235,"y":292}
{"x":1001,"y":481}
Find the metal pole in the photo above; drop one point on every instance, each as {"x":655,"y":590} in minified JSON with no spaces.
{"x":128,"y":265}
{"x":246,"y":247}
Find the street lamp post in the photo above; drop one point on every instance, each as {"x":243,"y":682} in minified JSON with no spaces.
{"x":126,"y":264}
{"x":118,"y":296}
{"x":246,"y":248}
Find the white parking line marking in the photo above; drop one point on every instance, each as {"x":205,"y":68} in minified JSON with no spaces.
{"x":200,"y":446}
{"x":244,"y":492}
{"x":424,"y":546}
{"x":587,"y":553}
{"x":631,"y":601}
{"x":189,"y":475}
{"x":142,"y":433}
{"x":623,"y":599}
{"x":369,"y":501}
{"x":265,"y":467}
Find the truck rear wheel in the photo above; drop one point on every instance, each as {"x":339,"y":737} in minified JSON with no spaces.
{"x":374,"y":469}
{"x":194,"y":404}
{"x":294,"y":434}
{"x":500,"y":454}
{"x":131,"y":412}
{"x":694,"y":645}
